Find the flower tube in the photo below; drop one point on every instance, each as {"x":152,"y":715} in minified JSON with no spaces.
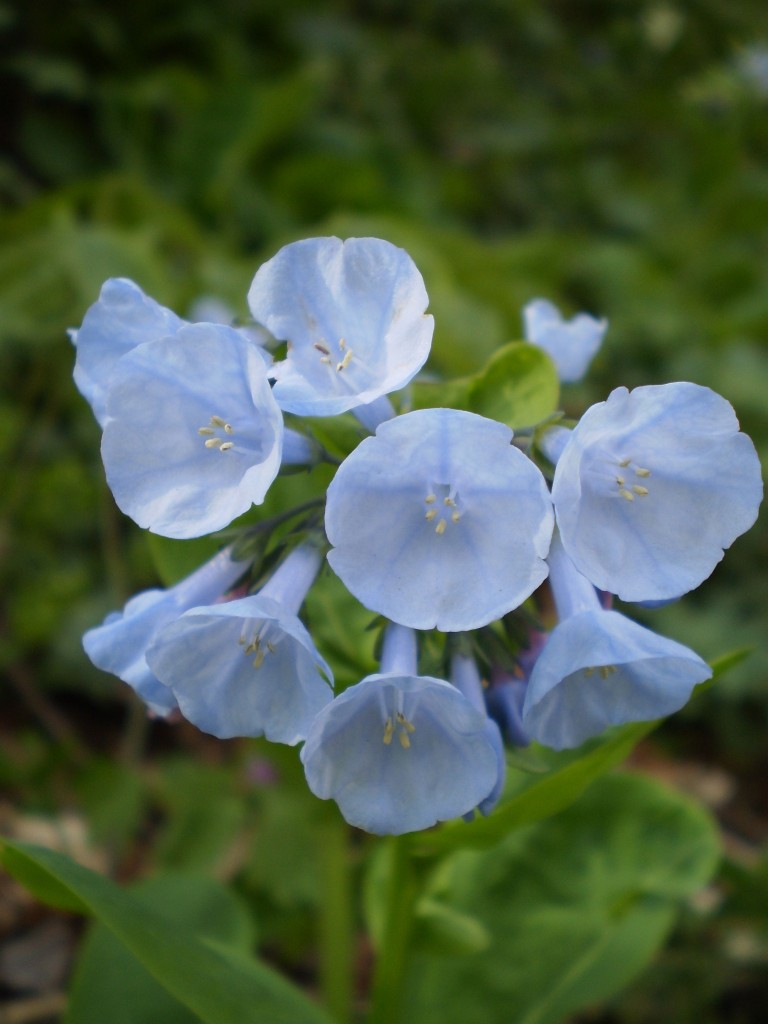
{"x":438,"y":521}
{"x":353,"y":315}
{"x":120,"y":644}
{"x":651,"y":487}
{"x":249,"y":667}
{"x":599,"y":668}
{"x":399,"y":752}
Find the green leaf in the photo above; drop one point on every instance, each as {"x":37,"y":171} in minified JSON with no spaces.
{"x":575,"y":906}
{"x":108,"y":975}
{"x":518,"y":386}
{"x":217,"y":984}
{"x":557,"y":780}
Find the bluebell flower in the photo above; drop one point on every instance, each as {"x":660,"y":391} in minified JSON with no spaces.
{"x":120,"y":644}
{"x":438,"y":521}
{"x":193,"y":436}
{"x":465,"y":676}
{"x":599,"y":668}
{"x":353,"y":315}
{"x":399,"y":752}
{"x":571,"y":344}
{"x":122,"y":318}
{"x":248,"y":667}
{"x":652,"y":485}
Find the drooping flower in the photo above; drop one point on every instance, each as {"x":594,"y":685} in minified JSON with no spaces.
{"x":353,"y":315}
{"x":572,"y":344}
{"x":248,"y":667}
{"x":399,"y":752}
{"x":119,"y":645}
{"x":193,"y":436}
{"x":599,"y":668}
{"x":438,"y":521}
{"x":122,"y":318}
{"x":652,"y":485}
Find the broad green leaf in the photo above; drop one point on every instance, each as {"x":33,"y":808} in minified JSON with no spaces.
{"x":219,"y":985}
{"x":107,"y":975}
{"x":518,"y":386}
{"x":575,"y":906}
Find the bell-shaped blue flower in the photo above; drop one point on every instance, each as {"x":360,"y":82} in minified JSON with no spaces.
{"x":399,"y":752}
{"x":353,"y":315}
{"x":571,"y":344}
{"x":652,"y":485}
{"x":193,"y":436}
{"x":465,"y":676}
{"x":120,"y":644}
{"x":438,"y":521}
{"x":248,"y":667}
{"x":599,"y":668}
{"x":122,"y":318}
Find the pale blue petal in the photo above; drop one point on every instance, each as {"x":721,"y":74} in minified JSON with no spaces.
{"x":353,"y":315}
{"x":120,"y":643}
{"x":572,"y":344}
{"x":158,"y":465}
{"x":645,"y":676}
{"x":448,"y":766}
{"x":680,"y":443}
{"x":392,"y":557}
{"x":227,"y":688}
{"x":122,"y":318}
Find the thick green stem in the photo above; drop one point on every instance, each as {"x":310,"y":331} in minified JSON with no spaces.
{"x":388,"y":988}
{"x":337,"y":951}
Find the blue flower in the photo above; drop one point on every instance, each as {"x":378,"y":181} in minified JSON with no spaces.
{"x":437,"y":521}
{"x":652,"y":486}
{"x":120,"y":644}
{"x":248,"y":667}
{"x":193,"y":436}
{"x":122,"y":318}
{"x":352,"y":313}
{"x":572,"y":344}
{"x":399,"y":752}
{"x":599,"y":668}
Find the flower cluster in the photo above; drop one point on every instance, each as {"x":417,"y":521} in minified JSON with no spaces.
{"x":439,"y":519}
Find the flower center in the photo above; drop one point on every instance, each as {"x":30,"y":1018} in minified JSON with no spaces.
{"x":626,"y":478}
{"x":604,"y":670}
{"x":217,"y":434}
{"x":340,"y":362}
{"x":400,"y":725}
{"x":443,"y":507}
{"x":260,"y":643}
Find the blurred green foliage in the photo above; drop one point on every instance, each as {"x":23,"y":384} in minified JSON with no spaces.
{"x":612,"y":156}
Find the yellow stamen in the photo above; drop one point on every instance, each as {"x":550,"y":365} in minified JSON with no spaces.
{"x":217,"y":421}
{"x":440,"y":528}
{"x":638,"y":489}
{"x":205,"y":431}
{"x":213,"y":442}
{"x":389,"y":729}
{"x":345,"y":361}
{"x":455,"y":517}
{"x":404,"y":741}
{"x":227,"y":445}
{"x":642,"y":472}
{"x":627,"y":494}
{"x":430,"y":515}
{"x":430,"y":499}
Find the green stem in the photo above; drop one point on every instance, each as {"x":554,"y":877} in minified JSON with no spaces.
{"x":389,"y":974}
{"x":336,"y":922}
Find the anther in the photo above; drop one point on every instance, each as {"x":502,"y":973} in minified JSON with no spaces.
{"x":430,"y":499}
{"x":626,"y":494}
{"x":389,"y":729}
{"x":226,"y":446}
{"x":624,"y":463}
{"x":620,"y":481}
{"x":455,"y":516}
{"x":440,"y":528}
{"x":448,"y":501}
{"x":322,"y":348}
{"x":430,"y":515}
{"x":607,"y":670}
{"x":404,"y":740}
{"x":258,"y":661}
{"x":325,"y":359}
{"x":345,"y":361}
{"x":205,"y":431}
{"x":213,"y":442}
{"x":639,"y":489}
{"x":342,"y":343}
{"x":642,"y":472}
{"x":217,"y":421}
{"x":228,"y":428}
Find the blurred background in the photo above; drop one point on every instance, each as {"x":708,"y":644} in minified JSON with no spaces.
{"x":611,"y":156}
